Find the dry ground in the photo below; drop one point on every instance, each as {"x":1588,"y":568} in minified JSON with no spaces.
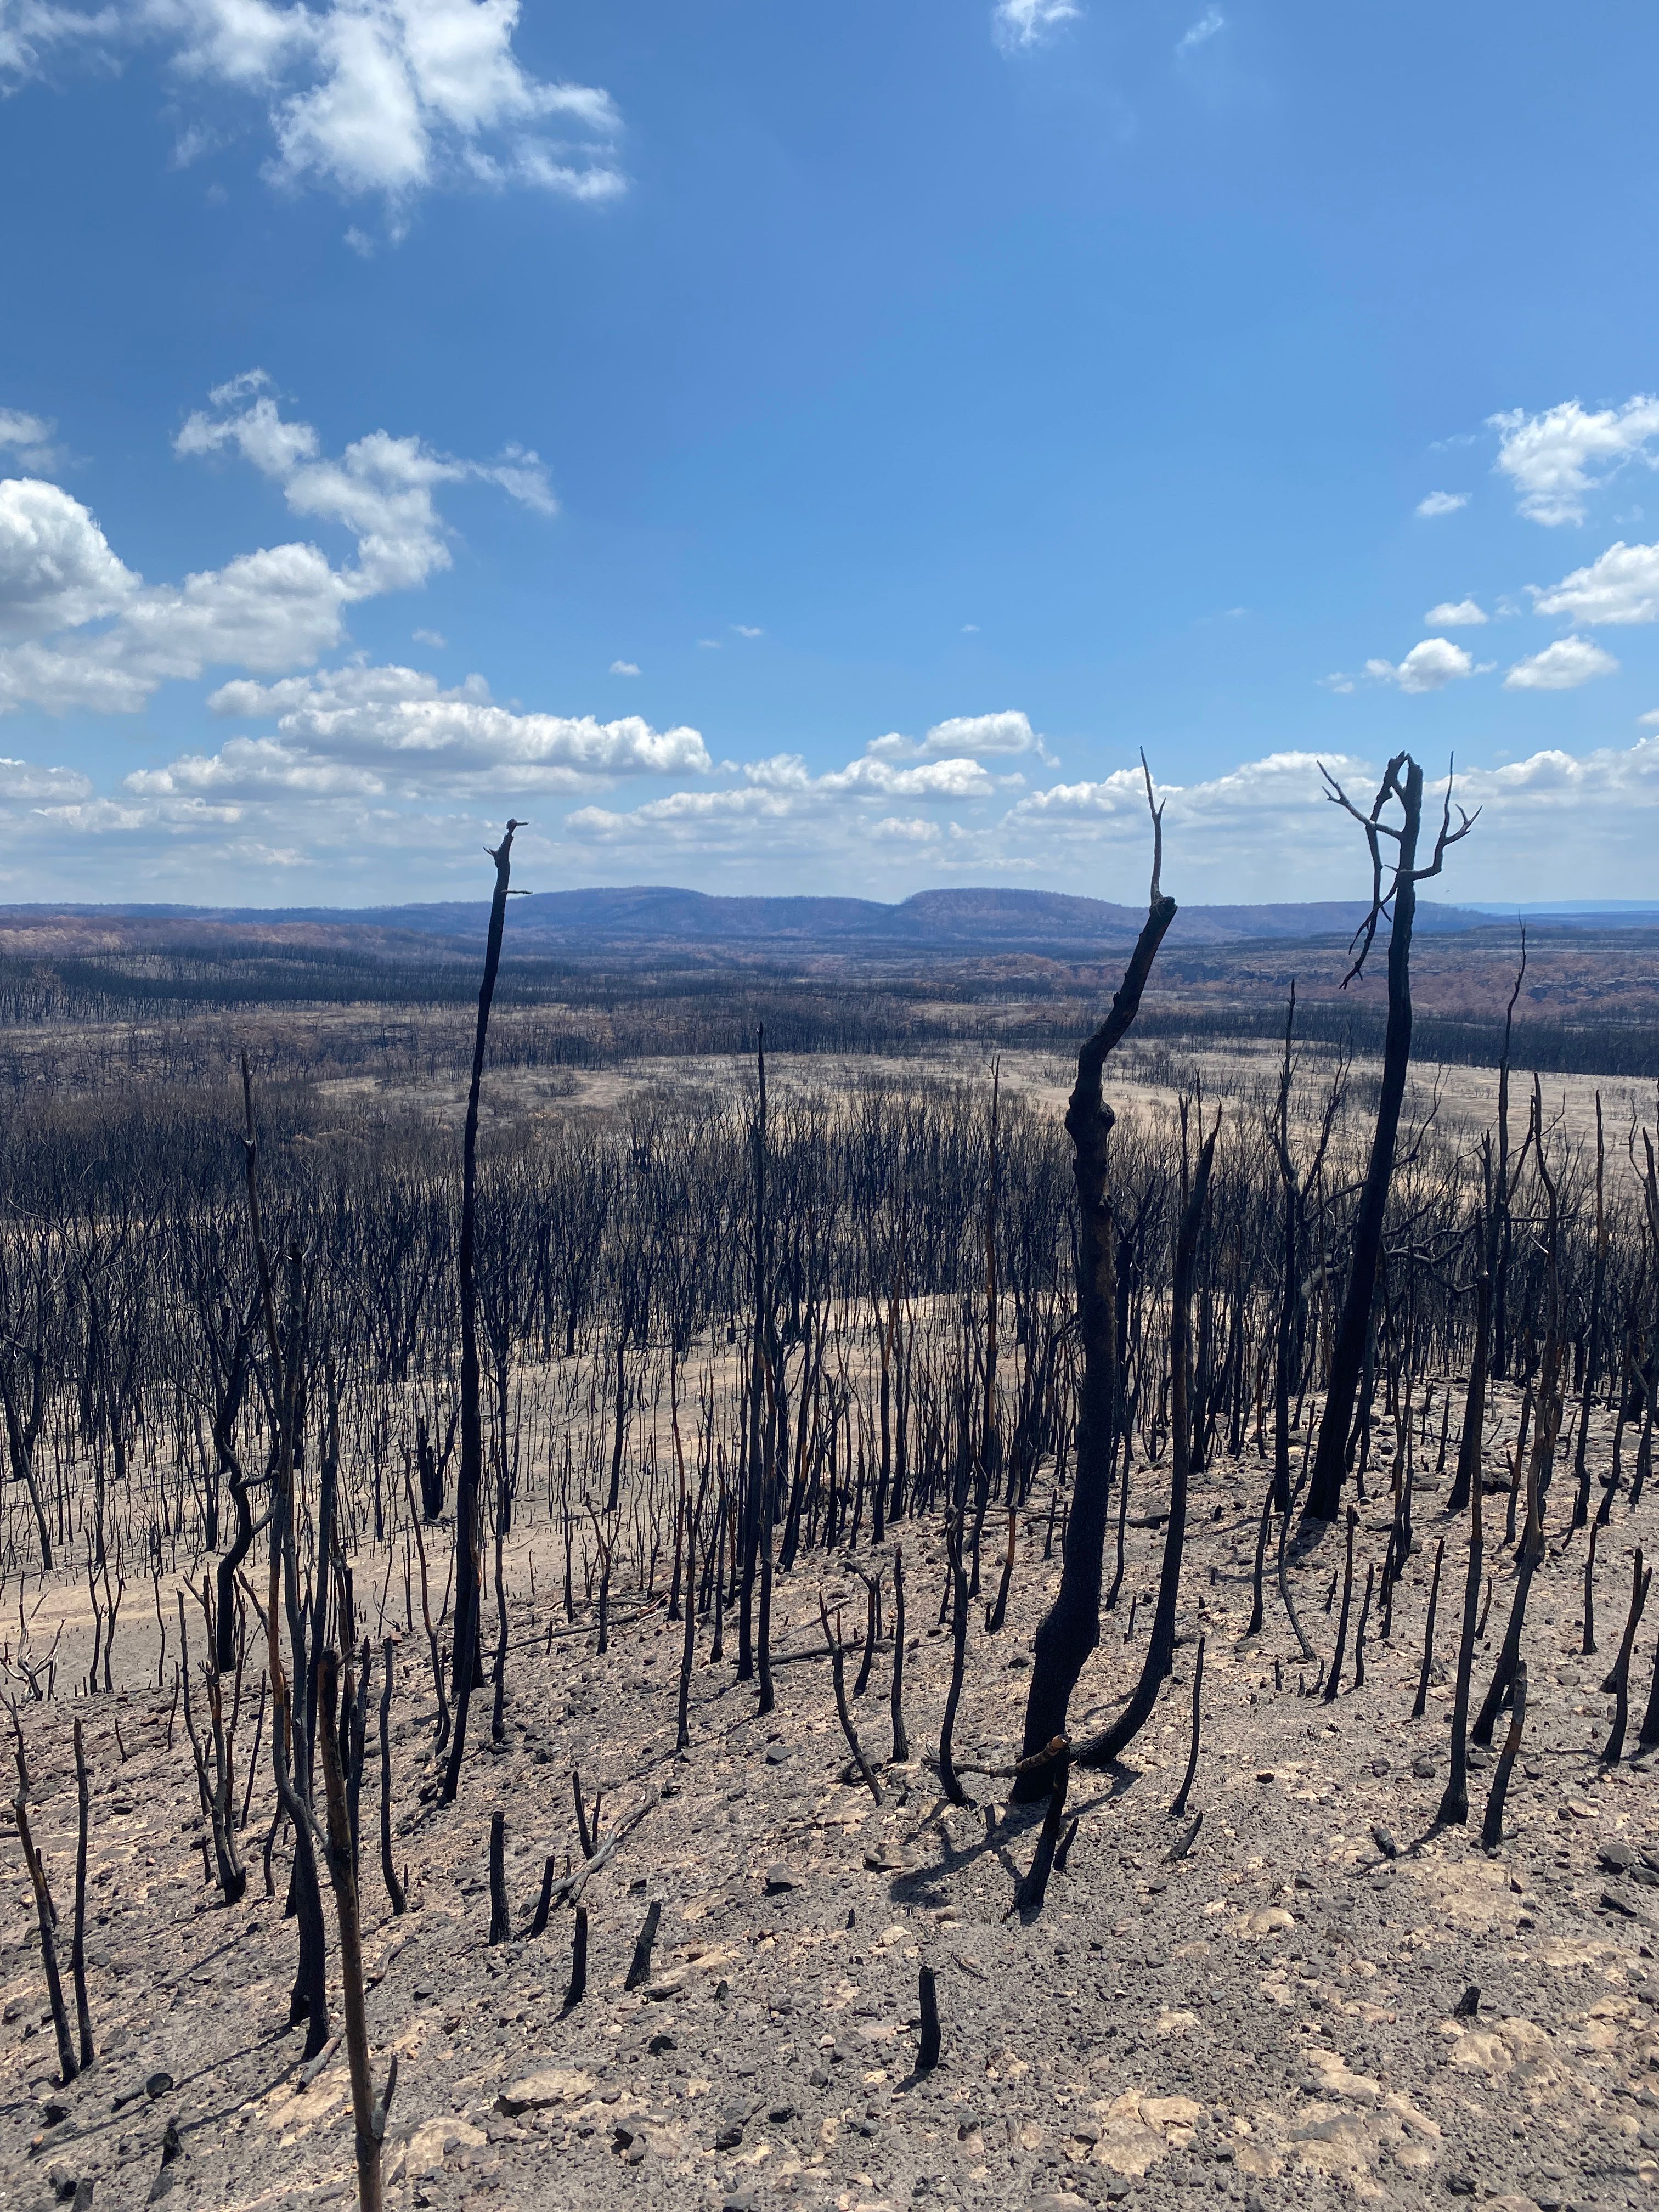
{"x":1271,"y":2020}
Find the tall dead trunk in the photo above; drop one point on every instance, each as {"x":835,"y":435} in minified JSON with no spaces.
{"x":1348,"y":1354}
{"x":1102,"y":1749}
{"x":469,"y":1485}
{"x":1071,"y":1628}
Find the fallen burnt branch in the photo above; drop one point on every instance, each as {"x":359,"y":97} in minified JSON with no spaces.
{"x":568,"y":1889}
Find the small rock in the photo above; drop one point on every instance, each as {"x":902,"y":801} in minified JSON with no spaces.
{"x":777,"y":1755}
{"x":1462,"y":2185}
{"x":778,"y":1879}
{"x":1468,"y":2004}
{"x":659,"y":2043}
{"x":157,"y":2084}
{"x":1385,"y":1840}
{"x":819,"y":2079}
{"x":1423,"y":1768}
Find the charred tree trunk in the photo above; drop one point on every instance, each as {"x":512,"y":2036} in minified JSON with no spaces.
{"x":469,"y":1578}
{"x":1071,"y":1628}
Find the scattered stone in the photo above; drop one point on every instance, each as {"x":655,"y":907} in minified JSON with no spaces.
{"x":1385,"y":1839}
{"x":157,"y":2084}
{"x":778,"y":1879}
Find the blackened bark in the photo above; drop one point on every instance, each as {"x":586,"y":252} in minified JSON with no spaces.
{"x":1102,"y":1750}
{"x":469,"y":1478}
{"x":1071,"y":1628}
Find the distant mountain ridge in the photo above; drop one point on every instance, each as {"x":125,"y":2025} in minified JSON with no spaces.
{"x":987,"y":920}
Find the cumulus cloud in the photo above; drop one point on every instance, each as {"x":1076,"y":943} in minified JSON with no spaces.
{"x":624,"y":668}
{"x":1562,"y":666}
{"x":1455,"y":614}
{"x":387,"y":97}
{"x":1621,"y":586}
{"x":1441,"y":502}
{"x":56,"y":570}
{"x":381,"y":489}
{"x":1429,"y":666}
{"x":1556,"y":458}
{"x":1016,"y":23}
{"x":281,"y":607}
{"x":779,"y":797}
{"x":402,"y":730}
{"x":967,"y":735}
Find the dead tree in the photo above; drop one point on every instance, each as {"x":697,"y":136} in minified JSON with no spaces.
{"x":1179,"y":1806}
{"x":959,"y":1603}
{"x":78,"y":1938}
{"x":469,"y":1485}
{"x":1101,"y":1750}
{"x":1334,"y":1677}
{"x":369,"y":2111}
{"x":1070,"y":1630}
{"x":901,"y":1741}
{"x":1619,"y":1681}
{"x":1392,"y":882}
{"x":1034,"y":1887}
{"x":217,"y":1790}
{"x":1419,"y":1703}
{"x":394,"y":1888}
{"x":838,"y":1675}
{"x":1492,"y":1828}
{"x":46,"y":1920}
{"x":927,"y":2050}
{"x":501,"y":1917}
{"x":290,"y":1762}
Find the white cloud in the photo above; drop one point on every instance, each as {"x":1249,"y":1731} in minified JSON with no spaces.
{"x":56,"y":570}
{"x":746,"y":629}
{"x":281,"y":607}
{"x":781,"y":795}
{"x":29,"y":437}
{"x":352,"y":813}
{"x":434,"y":638}
{"x":380,"y":488}
{"x":1016,"y":23}
{"x":1200,"y":33}
{"x":1556,"y":458}
{"x":1455,"y":614}
{"x":967,"y":735}
{"x":366,"y":96}
{"x":1429,"y":666}
{"x":23,"y":780}
{"x":1562,"y":666}
{"x":406,"y":730}
{"x":1441,"y":502}
{"x":1621,"y":586}
{"x":624,"y":668}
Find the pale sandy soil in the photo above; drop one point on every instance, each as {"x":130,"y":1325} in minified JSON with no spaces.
{"x":1273,"y":2018}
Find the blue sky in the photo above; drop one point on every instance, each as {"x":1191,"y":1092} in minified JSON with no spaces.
{"x":777,"y":449}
